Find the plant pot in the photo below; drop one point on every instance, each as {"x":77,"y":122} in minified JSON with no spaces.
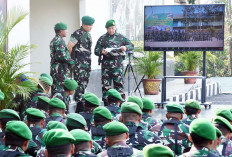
{"x":189,"y":80}
{"x":151,"y":86}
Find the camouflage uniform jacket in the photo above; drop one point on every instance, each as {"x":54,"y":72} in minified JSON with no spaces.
{"x":34,"y":99}
{"x":114,"y":109}
{"x":88,"y":115}
{"x":167,"y":133}
{"x":12,"y":149}
{"x":225,"y":147}
{"x":139,"y":137}
{"x":96,"y":148}
{"x":99,"y":135}
{"x":84,"y":153}
{"x":198,"y":152}
{"x":149,"y":119}
{"x":189,"y":119}
{"x":41,"y":152}
{"x":39,"y":138}
{"x":55,"y":117}
{"x":2,"y":142}
{"x":135,"y":153}
{"x":62,"y":96}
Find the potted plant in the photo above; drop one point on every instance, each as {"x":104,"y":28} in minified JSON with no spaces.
{"x":149,"y":65}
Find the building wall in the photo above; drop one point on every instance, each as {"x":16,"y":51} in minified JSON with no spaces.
{"x":44,"y":14}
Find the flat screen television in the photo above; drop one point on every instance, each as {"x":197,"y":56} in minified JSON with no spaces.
{"x":184,"y":27}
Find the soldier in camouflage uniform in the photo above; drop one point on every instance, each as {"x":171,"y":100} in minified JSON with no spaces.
{"x":60,"y":58}
{"x":42,"y":105}
{"x":112,"y":67}
{"x":173,"y":131}
{"x":192,"y":110}
{"x":138,"y":137}
{"x":80,"y":49}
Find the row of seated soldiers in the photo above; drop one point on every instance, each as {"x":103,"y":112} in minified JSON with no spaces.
{"x":129,"y":130}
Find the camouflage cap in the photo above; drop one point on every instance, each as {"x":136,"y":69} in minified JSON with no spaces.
{"x":115,"y":128}
{"x":57,"y":103}
{"x":9,"y":113}
{"x":44,"y":98}
{"x":56,"y":137}
{"x":110,"y":23}
{"x":56,"y":125}
{"x":2,"y":95}
{"x":175,"y":108}
{"x":223,"y":121}
{"x":148,"y":104}
{"x":203,"y":128}
{"x":152,"y":150}
{"x":131,"y":107}
{"x":192,"y":103}
{"x":45,"y":80}
{"x":48,"y":76}
{"x":218,"y":132}
{"x":70,"y":84}
{"x":92,"y":98}
{"x":136,"y":100}
{"x":76,"y":120}
{"x":60,"y":26}
{"x":224,"y":113}
{"x":87,"y":20}
{"x":80,"y":136}
{"x":114,"y":93}
{"x":35,"y":112}
{"x":19,"y":128}
{"x":102,"y":111}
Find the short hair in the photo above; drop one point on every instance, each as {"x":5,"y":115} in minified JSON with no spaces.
{"x":33,"y":119}
{"x":112,"y":99}
{"x":198,"y":140}
{"x":3,"y":121}
{"x":130,"y":117}
{"x":60,"y":149}
{"x":13,"y":139}
{"x":82,"y":146}
{"x":146,"y":110}
{"x":100,"y":120}
{"x":223,"y":128}
{"x":89,"y":105}
{"x":190,"y":110}
{"x":57,"y":31}
{"x":42,"y":105}
{"x":66,"y":89}
{"x":54,"y":109}
{"x":70,"y":128}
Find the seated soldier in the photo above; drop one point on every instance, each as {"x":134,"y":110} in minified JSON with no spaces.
{"x":202,"y":135}
{"x":69,"y":88}
{"x":17,"y":136}
{"x":153,"y":150}
{"x":6,"y":115}
{"x":114,"y":100}
{"x":192,"y":110}
{"x":58,"y":143}
{"x":173,"y":131}
{"x":83,"y":143}
{"x":43,"y":105}
{"x":102,"y":116}
{"x":148,"y":106}
{"x":138,"y":137}
{"x":56,"y":111}
{"x":116,"y":135}
{"x":225,"y":147}
{"x":91,"y":101}
{"x":77,"y":121}
{"x":217,"y":142}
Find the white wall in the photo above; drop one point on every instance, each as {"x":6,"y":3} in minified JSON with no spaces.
{"x":44,"y":14}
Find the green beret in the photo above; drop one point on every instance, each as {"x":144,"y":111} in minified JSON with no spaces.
{"x":203,"y":128}
{"x":19,"y":128}
{"x":43,"y":98}
{"x":48,"y":76}
{"x":57,"y":103}
{"x":92,"y":98}
{"x":87,"y":20}
{"x":56,"y":137}
{"x":45,"y":80}
{"x":114,"y":93}
{"x":224,"y":113}
{"x":115,"y":128}
{"x":193,"y":103}
{"x":148,"y":104}
{"x":136,"y":100}
{"x":175,"y":108}
{"x":218,"y":132}
{"x":102,"y":111}
{"x":131,"y":108}
{"x":223,"y":121}
{"x":110,"y":23}
{"x":35,"y":112}
{"x":2,"y":96}
{"x":60,"y":26}
{"x":75,"y":119}
{"x":157,"y":150}
{"x":8,"y":113}
{"x":70,"y":84}
{"x":56,"y":125}
{"x":80,"y":136}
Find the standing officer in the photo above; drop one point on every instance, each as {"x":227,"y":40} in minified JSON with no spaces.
{"x":80,"y":49}
{"x":112,"y":67}
{"x":60,"y":58}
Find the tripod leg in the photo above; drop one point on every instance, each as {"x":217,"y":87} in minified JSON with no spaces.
{"x":132,"y":70}
{"x":139,"y":83}
{"x":126,"y":69}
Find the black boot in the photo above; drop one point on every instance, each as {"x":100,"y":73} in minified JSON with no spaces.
{"x":79,"y":107}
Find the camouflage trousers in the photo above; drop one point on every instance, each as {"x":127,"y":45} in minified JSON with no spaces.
{"x":111,"y":73}
{"x":81,"y":73}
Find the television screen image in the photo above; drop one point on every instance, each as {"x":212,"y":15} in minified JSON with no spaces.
{"x":184,"y":27}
